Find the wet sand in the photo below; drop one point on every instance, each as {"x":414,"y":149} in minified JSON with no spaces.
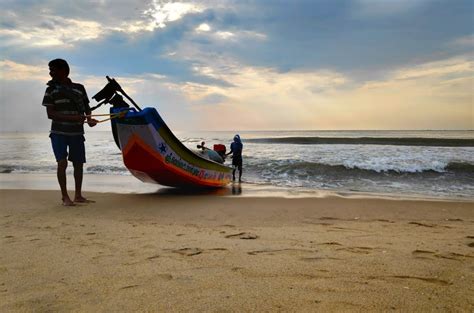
{"x":174,"y":253}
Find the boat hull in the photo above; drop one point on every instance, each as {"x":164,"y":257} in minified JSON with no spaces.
{"x":153,"y":154}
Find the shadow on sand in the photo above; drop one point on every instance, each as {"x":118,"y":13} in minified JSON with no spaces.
{"x":234,"y":189}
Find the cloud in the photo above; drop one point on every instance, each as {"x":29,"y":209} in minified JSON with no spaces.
{"x":432,"y":95}
{"x":11,"y":70}
{"x":53,"y":31}
{"x":259,"y":97}
{"x":34,"y":27}
{"x":440,"y":71}
{"x":171,"y":11}
{"x":159,"y":15}
{"x":203,"y":28}
{"x":454,"y":66}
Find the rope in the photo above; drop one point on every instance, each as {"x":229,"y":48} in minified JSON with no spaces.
{"x":111,"y":116}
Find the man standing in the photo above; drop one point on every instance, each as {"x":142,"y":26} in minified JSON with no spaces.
{"x":67,"y":106}
{"x":236,"y":149}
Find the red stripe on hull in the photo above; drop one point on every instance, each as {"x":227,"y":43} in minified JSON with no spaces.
{"x":138,"y":156}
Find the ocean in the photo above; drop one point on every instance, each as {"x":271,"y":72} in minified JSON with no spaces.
{"x":437,"y":164}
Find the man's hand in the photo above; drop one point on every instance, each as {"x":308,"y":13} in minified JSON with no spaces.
{"x":92,"y":122}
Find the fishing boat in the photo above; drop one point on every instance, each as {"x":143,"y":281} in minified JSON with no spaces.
{"x":150,"y":150}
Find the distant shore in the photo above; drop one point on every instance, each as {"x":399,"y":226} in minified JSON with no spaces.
{"x":425,"y":142}
{"x":194,"y":252}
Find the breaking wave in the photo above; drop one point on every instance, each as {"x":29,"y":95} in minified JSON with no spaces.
{"x":310,"y":168}
{"x":8,"y":168}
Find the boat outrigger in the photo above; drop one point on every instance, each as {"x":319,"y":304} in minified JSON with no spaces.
{"x":151,"y":152}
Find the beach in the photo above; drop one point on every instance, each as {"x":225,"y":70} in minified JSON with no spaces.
{"x":239,"y":156}
{"x":175,"y":252}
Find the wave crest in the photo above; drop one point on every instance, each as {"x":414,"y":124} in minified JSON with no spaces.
{"x":312,"y":168}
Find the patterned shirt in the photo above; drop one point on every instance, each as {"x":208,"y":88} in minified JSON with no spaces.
{"x":68,"y":99}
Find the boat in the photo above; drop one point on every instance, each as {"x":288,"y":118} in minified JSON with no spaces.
{"x":150,"y":150}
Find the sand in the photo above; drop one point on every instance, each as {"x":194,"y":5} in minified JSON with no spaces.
{"x":175,"y":253}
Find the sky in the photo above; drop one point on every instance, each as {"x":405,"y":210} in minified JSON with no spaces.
{"x":249,"y":65}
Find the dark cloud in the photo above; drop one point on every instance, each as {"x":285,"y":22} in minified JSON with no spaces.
{"x":346,"y":36}
{"x":330,"y":34}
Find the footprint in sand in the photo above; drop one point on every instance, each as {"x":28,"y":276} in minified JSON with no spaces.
{"x":188,"y":251}
{"x":272,"y":252}
{"x":165,"y":276}
{"x":425,"y":279}
{"x":331,"y":243}
{"x":360,"y":250}
{"x":218,"y":249}
{"x":453,"y":256}
{"x":447,"y":255}
{"x":243,"y":235}
{"x":130,"y":286}
{"x":422,"y":224}
{"x":328,"y":218}
{"x":423,"y":254}
{"x":316,"y":258}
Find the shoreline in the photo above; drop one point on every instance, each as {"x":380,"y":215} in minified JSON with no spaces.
{"x":128,"y":184}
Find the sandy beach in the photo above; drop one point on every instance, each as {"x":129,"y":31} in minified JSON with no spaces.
{"x":174,"y":253}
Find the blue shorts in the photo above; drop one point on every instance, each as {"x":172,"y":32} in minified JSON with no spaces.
{"x":77,"y":150}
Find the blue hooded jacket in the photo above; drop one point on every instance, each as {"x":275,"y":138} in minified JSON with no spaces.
{"x":236,"y":148}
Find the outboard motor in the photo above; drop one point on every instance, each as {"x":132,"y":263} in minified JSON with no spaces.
{"x":221,"y":149}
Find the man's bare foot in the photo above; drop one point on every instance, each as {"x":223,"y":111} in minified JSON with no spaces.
{"x":83,"y":200}
{"x":68,"y":202}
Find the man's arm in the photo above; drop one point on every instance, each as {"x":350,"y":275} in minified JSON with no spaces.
{"x":92,"y":122}
{"x":56,"y":116}
{"x":231,"y":150}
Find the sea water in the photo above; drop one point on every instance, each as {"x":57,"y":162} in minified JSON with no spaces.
{"x":401,"y":162}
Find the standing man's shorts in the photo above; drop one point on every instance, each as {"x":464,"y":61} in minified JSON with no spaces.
{"x":237,"y":162}
{"x":77,"y":150}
